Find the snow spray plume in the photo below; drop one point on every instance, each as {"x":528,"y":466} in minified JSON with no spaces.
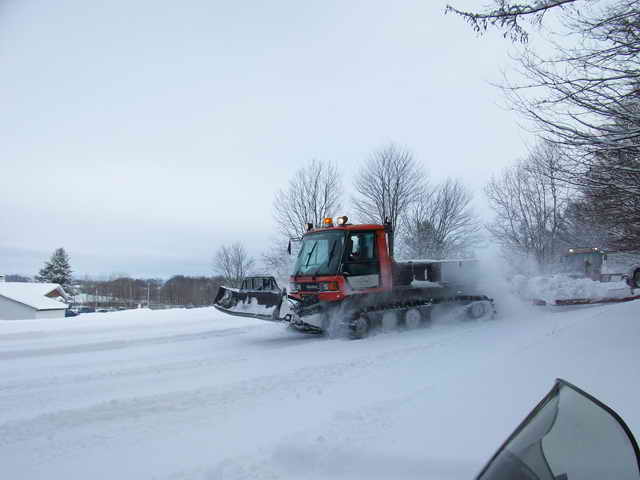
{"x":495,"y":280}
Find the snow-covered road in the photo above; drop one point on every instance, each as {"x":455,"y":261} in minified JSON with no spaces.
{"x":195,"y":394}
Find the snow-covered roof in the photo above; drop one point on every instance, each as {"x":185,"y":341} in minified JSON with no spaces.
{"x":33,"y":294}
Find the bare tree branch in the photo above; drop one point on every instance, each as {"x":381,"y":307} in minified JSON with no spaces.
{"x":441,"y":224}
{"x":529,"y":202}
{"x":387,"y":185}
{"x":314,"y":193}
{"x":506,"y":15}
{"x":233,"y":263}
{"x":585,"y":98}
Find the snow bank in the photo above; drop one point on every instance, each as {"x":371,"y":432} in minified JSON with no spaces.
{"x":563,"y":287}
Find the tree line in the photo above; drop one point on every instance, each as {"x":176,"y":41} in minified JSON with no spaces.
{"x":123,"y":290}
{"x":580,"y":185}
{"x":429,"y":220}
{"x":132,"y":292}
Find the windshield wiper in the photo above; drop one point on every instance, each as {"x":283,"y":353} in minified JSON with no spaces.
{"x":328,"y":262}
{"x":333,"y":247}
{"x":310,"y":253}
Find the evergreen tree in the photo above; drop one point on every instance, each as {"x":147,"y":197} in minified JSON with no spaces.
{"x":57,"y":270}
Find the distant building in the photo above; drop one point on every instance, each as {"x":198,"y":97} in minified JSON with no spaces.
{"x":22,"y":301}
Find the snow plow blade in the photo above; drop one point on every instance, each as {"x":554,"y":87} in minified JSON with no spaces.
{"x":258,"y":297}
{"x":587,"y":301}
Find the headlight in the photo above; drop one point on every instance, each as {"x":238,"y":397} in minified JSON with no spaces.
{"x":328,"y":286}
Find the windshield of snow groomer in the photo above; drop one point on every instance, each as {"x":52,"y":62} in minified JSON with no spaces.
{"x":320,"y":253}
{"x":583,"y":263}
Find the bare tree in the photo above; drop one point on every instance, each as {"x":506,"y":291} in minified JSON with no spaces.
{"x":579,"y":228}
{"x":233,"y":263}
{"x":441,"y":224}
{"x":314,"y":193}
{"x":610,"y":187}
{"x":183,"y":290}
{"x":528,"y":202}
{"x":586,"y":98}
{"x":387,"y":185}
{"x":506,"y":15}
{"x":127,"y":292}
{"x":18,"y":278}
{"x":277,"y":260}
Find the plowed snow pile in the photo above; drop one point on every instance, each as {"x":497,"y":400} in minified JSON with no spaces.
{"x":195,"y":394}
{"x":562,"y":287}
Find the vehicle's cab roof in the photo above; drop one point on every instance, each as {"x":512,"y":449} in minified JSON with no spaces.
{"x":347,"y":227}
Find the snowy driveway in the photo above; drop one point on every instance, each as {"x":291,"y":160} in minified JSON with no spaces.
{"x":195,"y":394}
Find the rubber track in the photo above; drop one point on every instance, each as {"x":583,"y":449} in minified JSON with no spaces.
{"x":383,"y":307}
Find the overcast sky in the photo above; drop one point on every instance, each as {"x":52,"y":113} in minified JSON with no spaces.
{"x":142,"y":135}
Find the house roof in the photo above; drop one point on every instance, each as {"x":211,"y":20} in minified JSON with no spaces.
{"x":33,"y":294}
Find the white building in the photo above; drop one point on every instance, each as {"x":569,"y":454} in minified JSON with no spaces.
{"x":21,"y":301}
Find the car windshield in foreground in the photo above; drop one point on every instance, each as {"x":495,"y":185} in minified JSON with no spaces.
{"x":569,"y":435}
{"x":320,"y":253}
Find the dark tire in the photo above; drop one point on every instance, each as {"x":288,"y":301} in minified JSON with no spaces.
{"x":635,"y":280}
{"x":413,"y":318}
{"x":477,"y":310}
{"x":360,"y":326}
{"x":426,"y":316}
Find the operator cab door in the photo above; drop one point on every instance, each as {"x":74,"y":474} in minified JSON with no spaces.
{"x":361,"y":266}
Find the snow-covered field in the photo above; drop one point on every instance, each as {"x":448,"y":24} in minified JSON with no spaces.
{"x":195,"y":394}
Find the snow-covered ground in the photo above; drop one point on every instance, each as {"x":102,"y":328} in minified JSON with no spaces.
{"x":562,"y":287}
{"x":195,"y":394}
